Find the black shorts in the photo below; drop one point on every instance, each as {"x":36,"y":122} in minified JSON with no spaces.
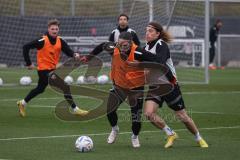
{"x":173,"y":99}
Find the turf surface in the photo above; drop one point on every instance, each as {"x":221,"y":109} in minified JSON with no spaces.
{"x":214,"y":107}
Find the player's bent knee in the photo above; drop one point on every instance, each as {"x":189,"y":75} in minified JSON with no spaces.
{"x":150,"y":115}
{"x":182,"y":116}
{"x":147,"y":115}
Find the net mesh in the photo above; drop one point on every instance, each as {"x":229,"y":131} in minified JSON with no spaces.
{"x":228,"y":49}
{"x":86,"y":23}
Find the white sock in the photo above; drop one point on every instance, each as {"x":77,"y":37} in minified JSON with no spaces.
{"x":198,"y":136}
{"x":24,"y":103}
{"x":168,"y":130}
{"x":115,"y":128}
{"x":75,"y":109}
{"x":134,"y":136}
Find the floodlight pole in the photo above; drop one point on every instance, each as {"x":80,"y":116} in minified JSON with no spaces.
{"x":22,"y":8}
{"x":207,"y":26}
{"x":150,"y":3}
{"x":73,"y":7}
{"x":120,"y":6}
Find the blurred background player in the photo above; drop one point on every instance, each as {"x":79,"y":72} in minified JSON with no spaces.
{"x":122,"y":27}
{"x":157,"y":40}
{"x":49,"y":48}
{"x":214,"y":31}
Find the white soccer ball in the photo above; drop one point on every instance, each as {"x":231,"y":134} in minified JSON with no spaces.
{"x":25,"y":80}
{"x":81,"y":80}
{"x":84,"y":144}
{"x":103,"y":79}
{"x":68,"y":80}
{"x":1,"y":82}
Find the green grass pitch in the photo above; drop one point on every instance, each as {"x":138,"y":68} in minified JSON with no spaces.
{"x":41,"y":136}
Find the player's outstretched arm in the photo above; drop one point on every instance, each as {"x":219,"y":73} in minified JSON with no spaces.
{"x":107,"y":46}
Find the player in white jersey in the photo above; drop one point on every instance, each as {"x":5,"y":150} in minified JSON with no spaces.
{"x":157,"y":40}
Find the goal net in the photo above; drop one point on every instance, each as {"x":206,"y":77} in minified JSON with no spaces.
{"x":86,"y":23}
{"x":228,"y":50}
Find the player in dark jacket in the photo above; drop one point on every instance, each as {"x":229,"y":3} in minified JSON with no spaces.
{"x":214,"y":31}
{"x":122,"y":27}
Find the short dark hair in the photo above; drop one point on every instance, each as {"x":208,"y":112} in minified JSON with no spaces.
{"x":125,"y":36}
{"x":53,"y":22}
{"x":123,"y":15}
{"x":218,"y":21}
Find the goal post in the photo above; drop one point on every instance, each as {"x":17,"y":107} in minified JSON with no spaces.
{"x":91,"y":22}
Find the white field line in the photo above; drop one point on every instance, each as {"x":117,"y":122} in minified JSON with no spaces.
{"x":102,"y":134}
{"x":186,"y":93}
{"x":41,"y":106}
{"x":43,"y":98}
{"x":126,"y":109}
{"x":16,"y":99}
{"x":119,"y":109}
{"x":196,"y":112}
{"x":17,"y":86}
{"x":212,"y":92}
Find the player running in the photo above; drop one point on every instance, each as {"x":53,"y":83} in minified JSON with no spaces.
{"x":49,"y":48}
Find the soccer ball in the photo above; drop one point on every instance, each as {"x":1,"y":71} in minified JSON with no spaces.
{"x":84,"y":144}
{"x":25,"y":80}
{"x":68,"y":80}
{"x":81,"y":80}
{"x":103,"y":79}
{"x":1,"y":82}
